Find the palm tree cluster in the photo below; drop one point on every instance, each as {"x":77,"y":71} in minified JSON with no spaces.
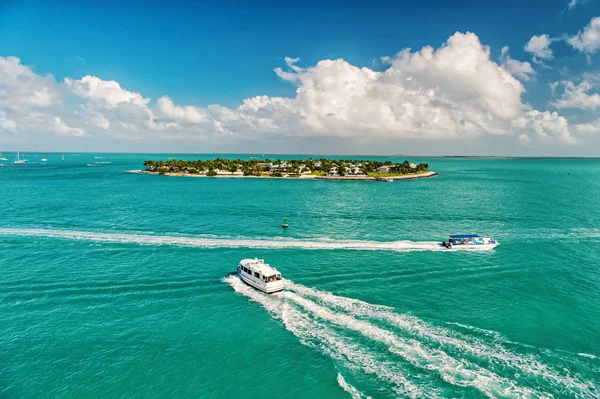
{"x":255,"y":167}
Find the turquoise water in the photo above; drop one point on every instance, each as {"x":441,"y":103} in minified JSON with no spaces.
{"x":115,"y":284}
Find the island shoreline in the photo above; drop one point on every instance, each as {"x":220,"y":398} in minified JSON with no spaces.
{"x":300,"y":177}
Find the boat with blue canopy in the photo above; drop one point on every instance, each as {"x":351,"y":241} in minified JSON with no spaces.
{"x":469,"y":241}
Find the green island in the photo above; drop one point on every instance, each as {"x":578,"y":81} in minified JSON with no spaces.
{"x":325,"y":169}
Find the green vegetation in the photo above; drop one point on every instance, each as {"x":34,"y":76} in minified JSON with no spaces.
{"x":279,"y":168}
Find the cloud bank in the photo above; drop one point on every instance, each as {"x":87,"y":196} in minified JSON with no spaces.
{"x":454,"y":92}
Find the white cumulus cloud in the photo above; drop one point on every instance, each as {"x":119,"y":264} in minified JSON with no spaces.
{"x":577,"y":95}
{"x":539,"y":47}
{"x":185,"y":114}
{"x":450,"y":92}
{"x":21,"y":89}
{"x":588,"y":41}
{"x":548,"y":126}
{"x":63,"y":130}
{"x":588,"y":128}
{"x":521,"y":70}
{"x":107,"y":91}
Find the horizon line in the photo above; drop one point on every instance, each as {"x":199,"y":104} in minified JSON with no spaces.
{"x":309,"y":154}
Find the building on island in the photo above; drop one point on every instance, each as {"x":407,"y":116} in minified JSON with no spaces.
{"x":356,"y":171}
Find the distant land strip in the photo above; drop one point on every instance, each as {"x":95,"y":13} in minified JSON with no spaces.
{"x":320,"y":169}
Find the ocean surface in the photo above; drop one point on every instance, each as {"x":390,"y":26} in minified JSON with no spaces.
{"x":117,"y":285}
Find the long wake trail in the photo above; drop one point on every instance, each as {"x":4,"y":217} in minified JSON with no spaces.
{"x":233,"y":242}
{"x":409,"y":356}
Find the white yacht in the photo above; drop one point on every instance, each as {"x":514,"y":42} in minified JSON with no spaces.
{"x":258,"y":274}
{"x":2,"y":158}
{"x":469,"y":240}
{"x":19,"y":160}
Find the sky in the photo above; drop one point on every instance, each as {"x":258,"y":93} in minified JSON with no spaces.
{"x":508,"y":78}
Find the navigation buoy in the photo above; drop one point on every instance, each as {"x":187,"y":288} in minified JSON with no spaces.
{"x":285,"y":223}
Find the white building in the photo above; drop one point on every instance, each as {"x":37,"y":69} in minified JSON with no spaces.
{"x":383,"y":169}
{"x":356,"y":171}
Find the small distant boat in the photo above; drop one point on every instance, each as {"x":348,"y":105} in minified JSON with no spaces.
{"x":44,"y":160}
{"x":285,"y":223}
{"x":63,"y":157}
{"x":388,"y":180}
{"x":258,"y":274}
{"x":2,"y":158}
{"x":469,"y":240}
{"x":19,"y":160}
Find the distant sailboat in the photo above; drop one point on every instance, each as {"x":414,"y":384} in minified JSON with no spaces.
{"x":63,"y":157}
{"x":19,"y":160}
{"x":2,"y":158}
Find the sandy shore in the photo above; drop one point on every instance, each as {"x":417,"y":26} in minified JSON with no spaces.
{"x":400,"y":177}
{"x":313,"y":177}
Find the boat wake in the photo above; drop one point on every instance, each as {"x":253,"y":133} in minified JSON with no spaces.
{"x":354,"y":393}
{"x":409,"y":357}
{"x":237,"y":242}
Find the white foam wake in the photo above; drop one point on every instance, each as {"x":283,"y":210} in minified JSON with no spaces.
{"x":588,"y":355}
{"x":459,"y":359}
{"x":239,"y":242}
{"x":354,"y":393}
{"x":489,"y":352}
{"x":453,"y":371}
{"x":316,"y":334}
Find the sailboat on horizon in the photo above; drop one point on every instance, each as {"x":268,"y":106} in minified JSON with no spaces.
{"x":19,"y":160}
{"x":2,"y":158}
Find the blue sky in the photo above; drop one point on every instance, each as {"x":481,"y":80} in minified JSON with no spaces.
{"x":223,"y":52}
{"x":203,"y":53}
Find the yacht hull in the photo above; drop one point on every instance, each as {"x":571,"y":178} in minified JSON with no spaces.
{"x":268,"y":288}
{"x":471,"y":247}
